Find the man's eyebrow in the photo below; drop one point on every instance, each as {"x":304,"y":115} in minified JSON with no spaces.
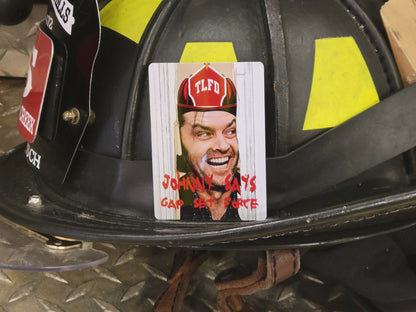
{"x":197,"y":125}
{"x":201,"y":126}
{"x":231,"y":123}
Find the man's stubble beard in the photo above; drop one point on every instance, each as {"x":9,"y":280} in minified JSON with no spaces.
{"x":195,"y":173}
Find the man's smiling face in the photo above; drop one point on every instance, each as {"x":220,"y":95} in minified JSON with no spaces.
{"x":211,"y":144}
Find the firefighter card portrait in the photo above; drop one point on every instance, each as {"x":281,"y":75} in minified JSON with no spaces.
{"x":208,"y":141}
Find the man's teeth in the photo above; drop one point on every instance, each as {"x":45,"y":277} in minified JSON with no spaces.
{"x":217,"y":162}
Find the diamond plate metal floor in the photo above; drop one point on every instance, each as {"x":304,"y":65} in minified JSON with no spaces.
{"x":135,"y":277}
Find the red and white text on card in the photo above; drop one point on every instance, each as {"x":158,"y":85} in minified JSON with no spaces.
{"x":34,"y":93}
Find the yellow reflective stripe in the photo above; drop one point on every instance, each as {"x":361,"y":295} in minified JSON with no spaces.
{"x":342,"y":86}
{"x":128,"y":17}
{"x":212,"y":52}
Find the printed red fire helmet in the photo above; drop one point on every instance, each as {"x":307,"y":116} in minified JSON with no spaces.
{"x":207,"y":90}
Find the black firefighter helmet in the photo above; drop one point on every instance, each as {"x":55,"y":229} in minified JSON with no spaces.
{"x":339,"y":131}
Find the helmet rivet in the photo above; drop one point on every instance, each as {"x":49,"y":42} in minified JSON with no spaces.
{"x":35,"y":201}
{"x":72,"y":116}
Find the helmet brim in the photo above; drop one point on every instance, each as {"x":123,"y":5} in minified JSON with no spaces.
{"x":61,"y":217}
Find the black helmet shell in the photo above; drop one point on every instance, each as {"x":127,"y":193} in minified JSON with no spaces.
{"x":107,"y":194}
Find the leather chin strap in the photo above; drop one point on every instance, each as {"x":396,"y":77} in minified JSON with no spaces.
{"x":185,"y":263}
{"x":277,"y":266}
{"x":272,"y":268}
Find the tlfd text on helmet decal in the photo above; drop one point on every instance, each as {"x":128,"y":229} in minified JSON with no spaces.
{"x":206,"y":85}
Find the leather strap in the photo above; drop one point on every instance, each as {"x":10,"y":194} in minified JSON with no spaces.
{"x":272,"y":268}
{"x":186,"y":262}
{"x":275,"y":268}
